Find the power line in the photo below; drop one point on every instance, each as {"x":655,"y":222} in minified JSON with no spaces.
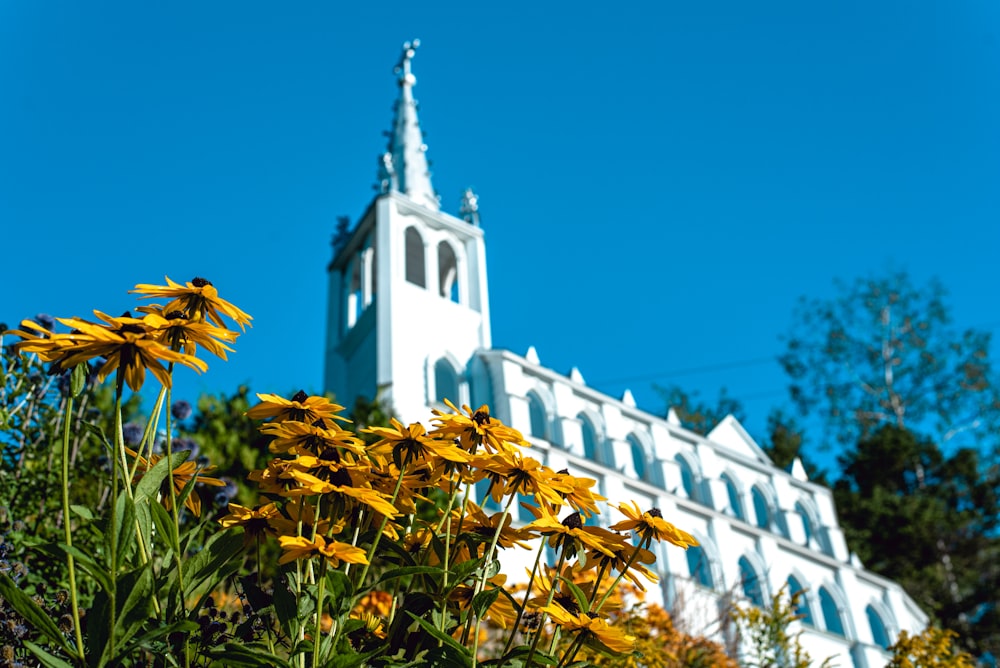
{"x":722,"y":366}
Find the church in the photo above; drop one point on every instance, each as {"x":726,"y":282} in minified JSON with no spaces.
{"x":761,"y":528}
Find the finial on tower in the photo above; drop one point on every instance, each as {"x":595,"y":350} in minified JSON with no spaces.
{"x":470,"y":207}
{"x":404,"y":167}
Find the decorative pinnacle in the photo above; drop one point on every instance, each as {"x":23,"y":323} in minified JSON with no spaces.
{"x":470,"y":207}
{"x":404,"y":167}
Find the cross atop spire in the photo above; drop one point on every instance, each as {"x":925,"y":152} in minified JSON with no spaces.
{"x":404,"y":167}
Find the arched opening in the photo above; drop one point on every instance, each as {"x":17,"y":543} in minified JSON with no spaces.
{"x":639,"y":461}
{"x":879,"y":634}
{"x":831,"y":612}
{"x":802,"y":606}
{"x":415,"y":260}
{"x":807,"y":527}
{"x":688,"y":481}
{"x":751,"y":584}
{"x":537,"y":415}
{"x":446,"y":382}
{"x":735,"y":504}
{"x":589,"y":434}
{"x":760,"y":508}
{"x":354,"y":296}
{"x":447,"y":272}
{"x":699,"y":567}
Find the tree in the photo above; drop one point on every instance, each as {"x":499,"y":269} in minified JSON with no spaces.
{"x":697,"y":415}
{"x":885,"y":351}
{"x":785,"y":443}
{"x":930,"y":521}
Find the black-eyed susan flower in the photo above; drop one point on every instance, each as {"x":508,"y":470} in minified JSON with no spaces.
{"x":182,"y":334}
{"x":299,"y":547}
{"x":511,"y":473}
{"x":302,"y":438}
{"x":197,"y":299}
{"x":255,"y":521}
{"x":577,"y":492}
{"x":182,"y":475}
{"x":594,"y":627}
{"x":313,"y":410}
{"x":412,"y":444}
{"x":475,"y":428}
{"x":570,"y":535}
{"x":651,"y":526}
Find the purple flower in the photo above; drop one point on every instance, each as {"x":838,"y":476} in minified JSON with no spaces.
{"x":46,"y":321}
{"x":181,"y":410}
{"x":132,"y":432}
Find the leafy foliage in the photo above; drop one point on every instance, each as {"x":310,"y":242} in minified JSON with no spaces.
{"x":767,"y":637}
{"x":929,"y":521}
{"x":884,"y":351}
{"x":699,"y":415}
{"x":933,"y":648}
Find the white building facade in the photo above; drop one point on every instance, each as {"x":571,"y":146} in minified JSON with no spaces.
{"x":409,"y":321}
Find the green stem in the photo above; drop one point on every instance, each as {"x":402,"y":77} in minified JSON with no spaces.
{"x":378,"y":535}
{"x":481,"y":579}
{"x":68,"y":531}
{"x":572,"y":650}
{"x":527,"y":595}
{"x":631,"y":560}
{"x":113,"y":528}
{"x":175,"y":515}
{"x":548,"y":602}
{"x":319,"y":612}
{"x":270,"y":639}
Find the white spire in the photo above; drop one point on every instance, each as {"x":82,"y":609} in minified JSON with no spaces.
{"x":403,"y":167}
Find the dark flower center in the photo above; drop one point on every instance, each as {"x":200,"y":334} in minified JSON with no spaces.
{"x":341,"y":478}
{"x":563,"y":471}
{"x":655,"y":512}
{"x":175,"y":315}
{"x":481,"y":418}
{"x":199,"y":282}
{"x":300,"y":396}
{"x":573,"y":521}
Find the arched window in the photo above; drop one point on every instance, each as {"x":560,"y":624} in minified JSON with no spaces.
{"x":415,"y":272}
{"x":445,"y":382}
{"x":735,"y":505}
{"x":802,"y":607}
{"x":879,"y":635}
{"x":760,"y":508}
{"x":807,"y":527}
{"x":447,"y":271}
{"x":699,"y":567}
{"x":539,"y":419}
{"x":480,"y":384}
{"x":831,"y":614}
{"x":751,"y":583}
{"x":687,"y":478}
{"x":589,"y":438}
{"x":639,"y":462}
{"x":354,"y":304}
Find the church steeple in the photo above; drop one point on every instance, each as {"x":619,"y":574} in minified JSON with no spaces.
{"x":404,"y":166}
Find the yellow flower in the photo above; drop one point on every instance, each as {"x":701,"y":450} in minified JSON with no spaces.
{"x":570,"y":534}
{"x":511,"y":473}
{"x":474,"y":429}
{"x":301,"y":438}
{"x":125,"y":342}
{"x":198,"y":300}
{"x":412,"y":444}
{"x":576,"y":492}
{"x":179,"y":333}
{"x":501,"y":612}
{"x":255,"y":521}
{"x":612,"y":638}
{"x":182,"y":475}
{"x":650,"y":525}
{"x":623,"y":553}
{"x":478,"y":522}
{"x":300,"y":408}
{"x":304,"y":513}
{"x":299,"y":547}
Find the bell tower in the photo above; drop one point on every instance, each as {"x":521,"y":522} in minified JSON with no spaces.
{"x":408,"y":298}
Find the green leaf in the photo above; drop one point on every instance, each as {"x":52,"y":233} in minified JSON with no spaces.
{"x":78,"y":379}
{"x":82,"y":511}
{"x":32,"y":614}
{"x":340,"y":590}
{"x":236,"y":654}
{"x":483,"y":600}
{"x":352,"y":660}
{"x":581,"y":598}
{"x":434,"y":631}
{"x":408,"y":570}
{"x":125,"y":528}
{"x":284,"y":603}
{"x":152,"y":480}
{"x":463,"y":570}
{"x":164,"y":525}
{"x":44,"y":657}
{"x":147,"y":638}
{"x":134,"y":596}
{"x":84,"y":561}
{"x":220,"y":549}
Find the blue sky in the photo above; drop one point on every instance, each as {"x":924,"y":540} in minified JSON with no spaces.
{"x":659,"y":182}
